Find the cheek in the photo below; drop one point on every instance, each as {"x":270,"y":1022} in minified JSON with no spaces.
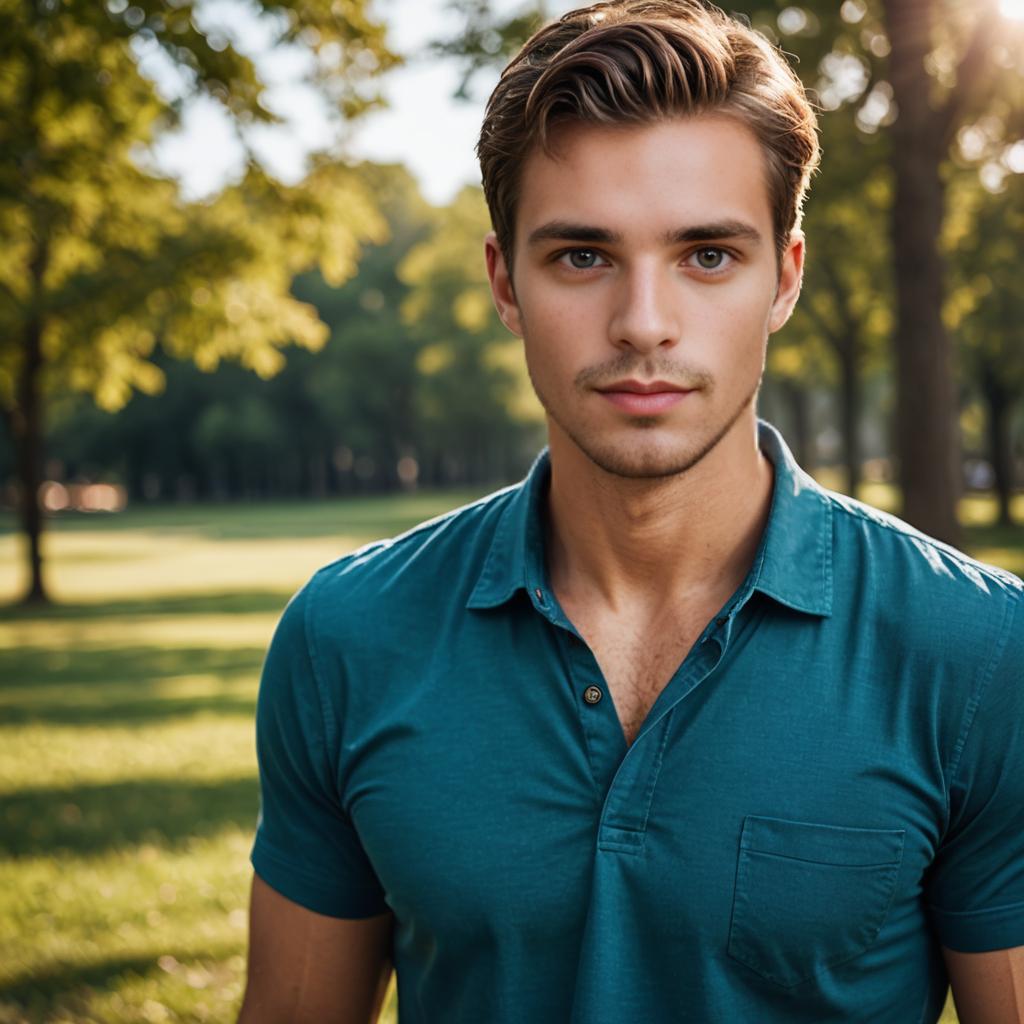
{"x":738,"y":317}
{"x":556,"y":334}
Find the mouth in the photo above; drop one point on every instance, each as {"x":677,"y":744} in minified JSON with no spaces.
{"x":644,"y":398}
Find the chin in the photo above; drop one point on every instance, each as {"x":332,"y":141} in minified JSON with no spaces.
{"x":642,"y":457}
{"x":641,"y":464}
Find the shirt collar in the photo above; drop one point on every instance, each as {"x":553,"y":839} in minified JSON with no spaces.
{"x":793,"y":564}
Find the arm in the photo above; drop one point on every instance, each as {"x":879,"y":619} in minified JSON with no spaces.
{"x":988,"y":988}
{"x":306,"y":968}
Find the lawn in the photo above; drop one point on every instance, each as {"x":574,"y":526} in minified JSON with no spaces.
{"x":127,"y":776}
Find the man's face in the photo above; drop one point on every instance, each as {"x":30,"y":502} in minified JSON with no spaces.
{"x":645,"y":287}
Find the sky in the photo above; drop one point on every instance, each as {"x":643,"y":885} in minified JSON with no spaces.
{"x":424,"y":127}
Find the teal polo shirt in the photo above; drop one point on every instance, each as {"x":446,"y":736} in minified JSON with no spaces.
{"x":829,"y":787}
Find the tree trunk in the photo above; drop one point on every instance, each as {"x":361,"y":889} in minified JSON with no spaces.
{"x":926,"y":439}
{"x":998,"y":406}
{"x":849,"y":412}
{"x":27,"y":422}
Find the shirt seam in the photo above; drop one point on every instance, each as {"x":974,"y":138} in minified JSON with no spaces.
{"x":970,"y":714}
{"x":908,"y":533}
{"x":976,"y":913}
{"x":266,"y":851}
{"x":273,"y":853}
{"x":315,"y":663}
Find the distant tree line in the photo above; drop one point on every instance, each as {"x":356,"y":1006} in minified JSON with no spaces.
{"x":418,"y":384}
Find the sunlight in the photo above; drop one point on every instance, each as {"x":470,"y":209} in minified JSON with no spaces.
{"x":1012,"y":9}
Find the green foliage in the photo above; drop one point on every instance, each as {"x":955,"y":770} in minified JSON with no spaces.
{"x":375,"y":394}
{"x":105,"y":256}
{"x":102,"y":260}
{"x":986,"y":303}
{"x":466,"y":352}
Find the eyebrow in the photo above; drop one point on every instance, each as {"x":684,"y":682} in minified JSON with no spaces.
{"x":566,"y":231}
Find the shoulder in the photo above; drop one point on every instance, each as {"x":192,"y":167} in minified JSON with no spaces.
{"x":899,"y":542}
{"x":932,"y":589}
{"x":435,"y":563}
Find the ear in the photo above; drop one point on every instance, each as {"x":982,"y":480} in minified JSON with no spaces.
{"x":791,"y":274}
{"x":501,"y":285}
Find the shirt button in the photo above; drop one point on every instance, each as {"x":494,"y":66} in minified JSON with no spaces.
{"x":592,"y":694}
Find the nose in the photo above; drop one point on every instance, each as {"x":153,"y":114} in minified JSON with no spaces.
{"x":645,"y":315}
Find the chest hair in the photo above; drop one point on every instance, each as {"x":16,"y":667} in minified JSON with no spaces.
{"x":638,"y":660}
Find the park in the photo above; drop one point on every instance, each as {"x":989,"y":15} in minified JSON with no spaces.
{"x":205,"y":398}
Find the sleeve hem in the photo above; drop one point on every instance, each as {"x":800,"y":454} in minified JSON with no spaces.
{"x":292,"y":882}
{"x":980,"y":931}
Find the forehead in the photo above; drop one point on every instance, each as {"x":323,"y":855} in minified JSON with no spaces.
{"x":640,"y":180}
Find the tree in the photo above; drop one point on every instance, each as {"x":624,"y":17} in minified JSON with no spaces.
{"x":103,"y":260}
{"x":846,"y":303}
{"x":986,"y":310}
{"x":474,"y":395}
{"x":928,"y":447}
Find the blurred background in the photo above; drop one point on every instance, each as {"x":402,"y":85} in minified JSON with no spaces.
{"x":245,"y":327}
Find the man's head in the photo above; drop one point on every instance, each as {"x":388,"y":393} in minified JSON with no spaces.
{"x":638,"y":62}
{"x":645,"y":170}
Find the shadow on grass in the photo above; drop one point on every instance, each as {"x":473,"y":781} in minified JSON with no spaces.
{"x":225,"y":603}
{"x":66,"y":986}
{"x":87,"y":820}
{"x":48,"y":988}
{"x":123,"y":684}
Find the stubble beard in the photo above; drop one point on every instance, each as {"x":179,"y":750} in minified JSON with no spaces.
{"x":645,"y":462}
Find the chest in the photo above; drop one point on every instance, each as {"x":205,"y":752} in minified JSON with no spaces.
{"x":638,"y":658}
{"x":479,"y":797}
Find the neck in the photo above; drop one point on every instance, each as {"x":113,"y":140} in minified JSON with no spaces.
{"x":626,"y":543}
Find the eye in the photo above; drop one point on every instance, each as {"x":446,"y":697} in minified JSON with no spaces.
{"x":581,"y":259}
{"x":710,"y":258}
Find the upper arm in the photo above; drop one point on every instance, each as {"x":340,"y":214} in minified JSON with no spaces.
{"x":988,"y":988}
{"x":974,"y":887}
{"x":306,"y":968}
{"x":307,"y":847}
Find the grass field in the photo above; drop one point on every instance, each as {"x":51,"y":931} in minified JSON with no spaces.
{"x":128,"y":793}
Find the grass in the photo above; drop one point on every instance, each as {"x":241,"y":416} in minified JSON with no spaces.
{"x":128,"y":790}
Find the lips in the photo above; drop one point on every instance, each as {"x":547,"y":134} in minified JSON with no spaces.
{"x":636,"y":387}
{"x":644,"y":398}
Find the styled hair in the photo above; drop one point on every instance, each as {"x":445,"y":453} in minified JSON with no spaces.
{"x":640,"y":61}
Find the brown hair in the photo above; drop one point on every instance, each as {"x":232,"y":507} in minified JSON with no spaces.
{"x":637,"y":61}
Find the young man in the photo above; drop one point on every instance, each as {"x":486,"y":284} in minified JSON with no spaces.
{"x":668,"y":732}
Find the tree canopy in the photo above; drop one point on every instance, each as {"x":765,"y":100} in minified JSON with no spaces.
{"x":103,"y":259}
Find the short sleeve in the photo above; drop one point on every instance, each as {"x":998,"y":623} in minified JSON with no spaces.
{"x":306,"y":847}
{"x":976,"y":886}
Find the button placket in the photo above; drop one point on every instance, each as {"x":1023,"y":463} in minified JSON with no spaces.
{"x":628,"y":801}
{"x":597,"y":715}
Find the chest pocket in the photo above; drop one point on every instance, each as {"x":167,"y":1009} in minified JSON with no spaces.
{"x":809,"y":896}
